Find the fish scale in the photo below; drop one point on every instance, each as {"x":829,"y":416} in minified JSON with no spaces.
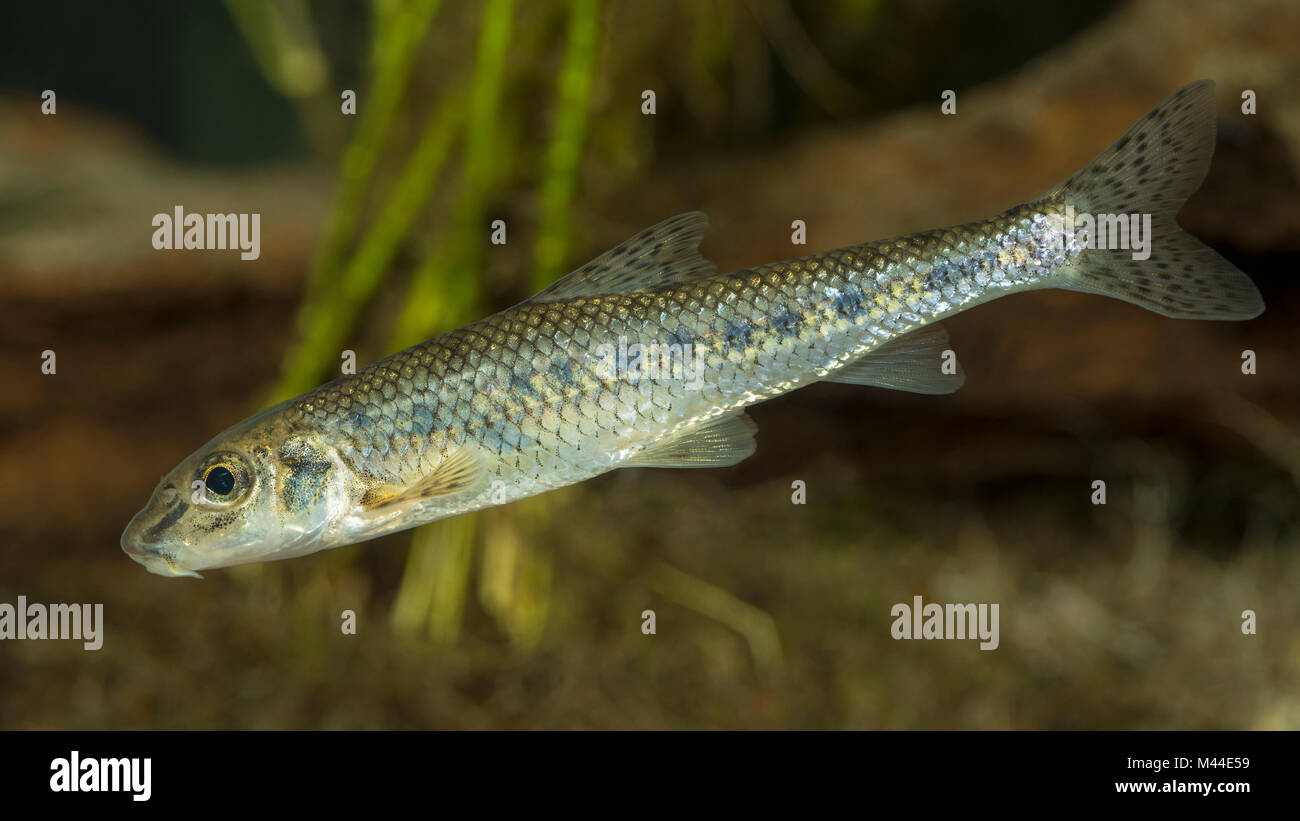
{"x":524,"y":381}
{"x":532,"y":398}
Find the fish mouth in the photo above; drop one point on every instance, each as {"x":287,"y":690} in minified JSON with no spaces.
{"x":155,"y":558}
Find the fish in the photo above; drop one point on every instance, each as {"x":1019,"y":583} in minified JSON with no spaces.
{"x":647,"y":356}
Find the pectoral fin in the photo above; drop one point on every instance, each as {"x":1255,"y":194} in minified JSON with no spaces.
{"x":913,"y":362}
{"x":461,"y":471}
{"x":720,"y":442}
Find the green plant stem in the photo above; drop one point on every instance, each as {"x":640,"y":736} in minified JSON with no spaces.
{"x":399,"y":29}
{"x":323,"y":338}
{"x":436,"y":299}
{"x":565,"y":150}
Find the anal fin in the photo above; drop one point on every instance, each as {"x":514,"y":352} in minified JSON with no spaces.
{"x":913,"y":362}
{"x":720,"y":442}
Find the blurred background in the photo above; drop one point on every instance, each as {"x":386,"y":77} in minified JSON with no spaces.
{"x":768,"y":614}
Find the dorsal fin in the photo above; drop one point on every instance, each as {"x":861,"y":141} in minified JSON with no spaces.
{"x":913,"y":362}
{"x":664,"y":254}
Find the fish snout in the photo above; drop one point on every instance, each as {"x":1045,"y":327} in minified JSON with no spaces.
{"x":156,"y":557}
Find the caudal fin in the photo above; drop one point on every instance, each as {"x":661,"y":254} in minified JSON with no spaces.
{"x":1153,"y":169}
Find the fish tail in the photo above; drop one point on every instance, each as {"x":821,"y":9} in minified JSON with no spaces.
{"x":1145,"y":177}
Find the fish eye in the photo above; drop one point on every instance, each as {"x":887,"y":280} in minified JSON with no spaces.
{"x":219,"y":479}
{"x":224,"y":479}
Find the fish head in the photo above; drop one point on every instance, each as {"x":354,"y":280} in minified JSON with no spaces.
{"x":258,"y":491}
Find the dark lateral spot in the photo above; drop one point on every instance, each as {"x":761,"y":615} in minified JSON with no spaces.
{"x":520,"y":384}
{"x":360,"y":420}
{"x":679,"y":336}
{"x":562,"y":369}
{"x":786,"y":321}
{"x":738,"y":334}
{"x":848,"y":304}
